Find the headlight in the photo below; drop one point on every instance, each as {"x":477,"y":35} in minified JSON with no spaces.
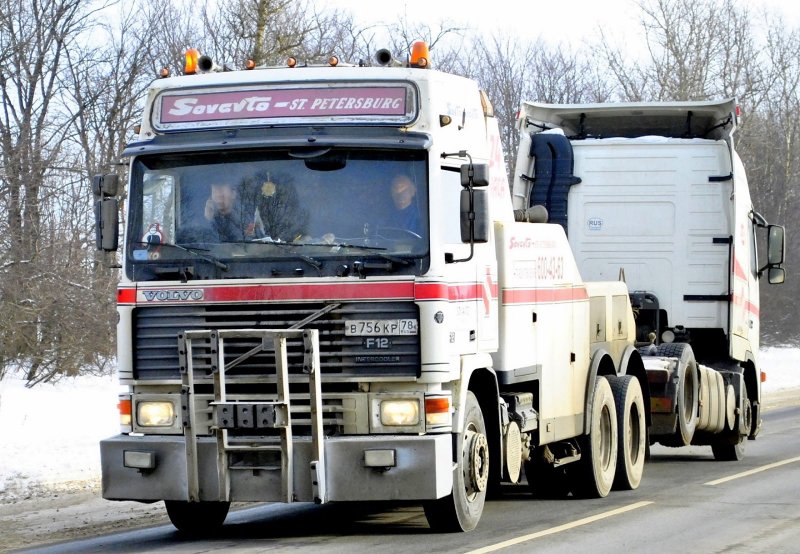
{"x":155,"y":414}
{"x":402,"y":412}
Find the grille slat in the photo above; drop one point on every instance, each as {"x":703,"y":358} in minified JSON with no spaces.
{"x":156,"y":330}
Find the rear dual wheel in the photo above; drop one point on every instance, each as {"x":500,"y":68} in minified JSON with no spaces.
{"x":599,"y":449}
{"x":631,"y":430}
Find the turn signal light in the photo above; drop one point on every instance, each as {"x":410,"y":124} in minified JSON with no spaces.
{"x":437,"y":411}
{"x":124,"y":407}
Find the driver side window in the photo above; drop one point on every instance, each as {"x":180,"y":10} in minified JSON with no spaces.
{"x":158,"y":207}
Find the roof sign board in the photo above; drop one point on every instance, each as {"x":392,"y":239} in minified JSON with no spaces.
{"x":185,"y":109}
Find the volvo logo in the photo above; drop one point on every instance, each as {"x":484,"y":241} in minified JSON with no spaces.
{"x":172,"y":295}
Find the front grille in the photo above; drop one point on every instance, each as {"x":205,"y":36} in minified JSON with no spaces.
{"x":156,"y":330}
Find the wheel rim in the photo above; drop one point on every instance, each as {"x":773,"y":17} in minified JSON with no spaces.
{"x":688,"y":394}
{"x":605,"y":438}
{"x":634,"y":435}
{"x":476,"y":462}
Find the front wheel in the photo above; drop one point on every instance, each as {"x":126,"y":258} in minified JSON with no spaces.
{"x":197,"y":518}
{"x":687,"y":396}
{"x":462,"y":508}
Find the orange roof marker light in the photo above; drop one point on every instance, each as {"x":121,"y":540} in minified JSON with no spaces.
{"x":250,"y":64}
{"x":291,"y":62}
{"x":191,"y":59}
{"x":420,"y":55}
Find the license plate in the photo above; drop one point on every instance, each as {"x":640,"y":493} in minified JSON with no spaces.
{"x":380,"y":327}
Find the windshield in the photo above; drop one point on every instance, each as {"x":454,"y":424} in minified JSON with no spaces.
{"x":276,"y":213}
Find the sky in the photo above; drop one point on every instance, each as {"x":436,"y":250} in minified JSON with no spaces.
{"x":557,"y":22}
{"x":569,"y":19}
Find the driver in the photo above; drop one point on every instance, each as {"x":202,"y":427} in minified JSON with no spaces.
{"x":406,"y":211}
{"x":227,"y":215}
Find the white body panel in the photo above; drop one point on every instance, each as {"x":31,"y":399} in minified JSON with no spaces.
{"x":544,"y":321}
{"x":647,"y":208}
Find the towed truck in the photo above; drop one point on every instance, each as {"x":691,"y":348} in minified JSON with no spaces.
{"x":655,"y":194}
{"x":295,"y":326}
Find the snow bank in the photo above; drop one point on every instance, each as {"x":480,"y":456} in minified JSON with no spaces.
{"x":49,"y":435}
{"x":782,"y":367}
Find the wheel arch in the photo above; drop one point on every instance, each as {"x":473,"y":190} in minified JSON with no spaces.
{"x":632,"y":364}
{"x":752,"y":377}
{"x":752,"y":384}
{"x":483,"y":384}
{"x":602,"y":364}
{"x":481,"y":380}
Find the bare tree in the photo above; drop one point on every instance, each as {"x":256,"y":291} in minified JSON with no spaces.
{"x":270,"y":31}
{"x":36,"y":37}
{"x":511,"y":71}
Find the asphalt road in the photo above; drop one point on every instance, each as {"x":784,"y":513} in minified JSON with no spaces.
{"x":687,"y":503}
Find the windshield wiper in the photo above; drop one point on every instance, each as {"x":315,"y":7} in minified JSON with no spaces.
{"x":194,"y":251}
{"x":313,"y":262}
{"x":376,"y":250}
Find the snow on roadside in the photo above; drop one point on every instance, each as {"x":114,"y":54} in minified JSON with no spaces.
{"x":782,"y":366}
{"x":49,"y":434}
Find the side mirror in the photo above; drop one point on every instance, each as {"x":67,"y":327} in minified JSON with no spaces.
{"x":106,"y":211}
{"x":474,"y":218}
{"x":776,"y":275}
{"x":476,"y":175}
{"x":104,"y":186}
{"x":106,"y":220}
{"x":776,"y":245}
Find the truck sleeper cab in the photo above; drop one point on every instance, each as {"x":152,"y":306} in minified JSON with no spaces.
{"x":655,"y":194}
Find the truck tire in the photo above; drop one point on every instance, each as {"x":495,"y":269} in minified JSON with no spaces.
{"x":598,"y":462}
{"x":197,"y":518}
{"x":462,"y":508}
{"x":686,"y":395}
{"x":631,"y":431}
{"x":704,"y":407}
{"x":731,"y":448}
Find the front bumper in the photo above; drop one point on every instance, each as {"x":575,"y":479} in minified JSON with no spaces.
{"x":423,"y":470}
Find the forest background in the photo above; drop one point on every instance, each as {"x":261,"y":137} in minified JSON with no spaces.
{"x":73,"y":74}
